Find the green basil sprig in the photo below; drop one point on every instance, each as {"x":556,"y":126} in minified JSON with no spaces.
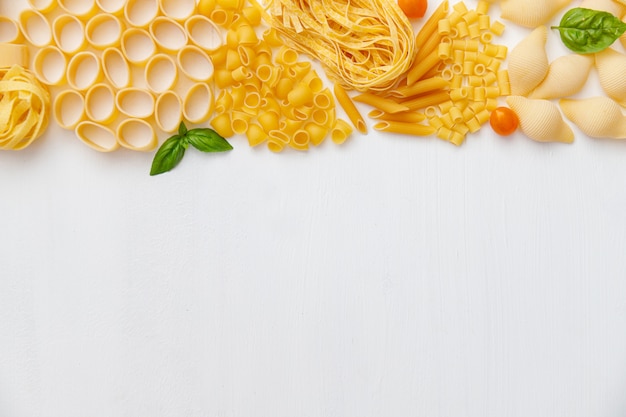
{"x":587,"y":31}
{"x":173,"y":149}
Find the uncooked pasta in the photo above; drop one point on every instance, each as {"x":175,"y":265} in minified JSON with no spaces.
{"x":365,"y":45}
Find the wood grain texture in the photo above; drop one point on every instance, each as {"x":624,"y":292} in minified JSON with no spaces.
{"x":391,"y":276}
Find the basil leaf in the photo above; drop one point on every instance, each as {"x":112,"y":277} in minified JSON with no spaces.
{"x":182,"y":129}
{"x":207,"y":140}
{"x":588,"y":31}
{"x":169,"y":155}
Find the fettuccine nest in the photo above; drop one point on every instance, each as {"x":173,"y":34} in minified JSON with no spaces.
{"x":366,"y":45}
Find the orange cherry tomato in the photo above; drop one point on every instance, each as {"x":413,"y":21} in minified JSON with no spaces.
{"x":413,"y":9}
{"x":503,"y":121}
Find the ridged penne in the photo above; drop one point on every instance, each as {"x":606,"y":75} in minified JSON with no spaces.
{"x":540,"y":120}
{"x":531,"y":13}
{"x":528,"y":62}
{"x":611,"y":66}
{"x":598,"y":117}
{"x":566,"y":76}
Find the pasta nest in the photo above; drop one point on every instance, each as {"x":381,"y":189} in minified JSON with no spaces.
{"x":24,"y":108}
{"x":365,"y":45}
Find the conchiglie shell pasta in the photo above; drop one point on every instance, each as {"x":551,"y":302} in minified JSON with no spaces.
{"x":540,"y":120}
{"x":567,"y":75}
{"x":622,"y":38}
{"x":610,"y":6}
{"x":598,"y":117}
{"x":531,"y":13}
{"x":611,"y":66}
{"x":528,"y":62}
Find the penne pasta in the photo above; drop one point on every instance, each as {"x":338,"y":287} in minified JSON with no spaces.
{"x":353,"y":113}
{"x":406,"y":116}
{"x":405,"y":128}
{"x":386,"y":105}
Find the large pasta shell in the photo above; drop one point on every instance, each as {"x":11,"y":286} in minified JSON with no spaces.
{"x":531,"y":13}
{"x":598,"y":117}
{"x":567,"y":75}
{"x":528,"y":62}
{"x":611,"y":67}
{"x":610,"y":6}
{"x":540,"y":120}
{"x":622,"y":38}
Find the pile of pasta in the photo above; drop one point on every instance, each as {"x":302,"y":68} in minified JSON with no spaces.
{"x":454,"y":82}
{"x":365,"y":45}
{"x":168,"y":61}
{"x":536,"y":82}
{"x":24,"y":108}
{"x":266,"y":92}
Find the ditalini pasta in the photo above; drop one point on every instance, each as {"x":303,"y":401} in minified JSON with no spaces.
{"x":599,"y":117}
{"x":363,"y":45}
{"x":611,"y":66}
{"x":540,"y":120}
{"x":566,"y":76}
{"x":528,"y":62}
{"x":531,"y":13}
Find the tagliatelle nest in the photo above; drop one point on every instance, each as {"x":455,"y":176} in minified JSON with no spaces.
{"x":24,"y":108}
{"x":366,"y":45}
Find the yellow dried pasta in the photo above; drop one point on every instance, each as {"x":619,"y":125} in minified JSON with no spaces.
{"x":24,"y":108}
{"x":365,"y":45}
{"x":455,"y":80}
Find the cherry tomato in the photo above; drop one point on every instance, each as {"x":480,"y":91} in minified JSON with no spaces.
{"x":413,"y":9}
{"x":503,"y":121}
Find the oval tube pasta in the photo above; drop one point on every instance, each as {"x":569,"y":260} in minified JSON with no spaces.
{"x":69,"y":109}
{"x":35,"y":28}
{"x":598,"y":117}
{"x":528,"y":62}
{"x":136,"y":135}
{"x":68,"y":33}
{"x":567,"y":75}
{"x":531,"y":13}
{"x":540,"y":120}
{"x":96,"y":136}
{"x":168,"y":111}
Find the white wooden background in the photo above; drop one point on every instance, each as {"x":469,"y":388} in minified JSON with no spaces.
{"x":391,"y":276}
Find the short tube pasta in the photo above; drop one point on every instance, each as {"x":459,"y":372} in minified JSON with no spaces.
{"x":353,"y":113}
